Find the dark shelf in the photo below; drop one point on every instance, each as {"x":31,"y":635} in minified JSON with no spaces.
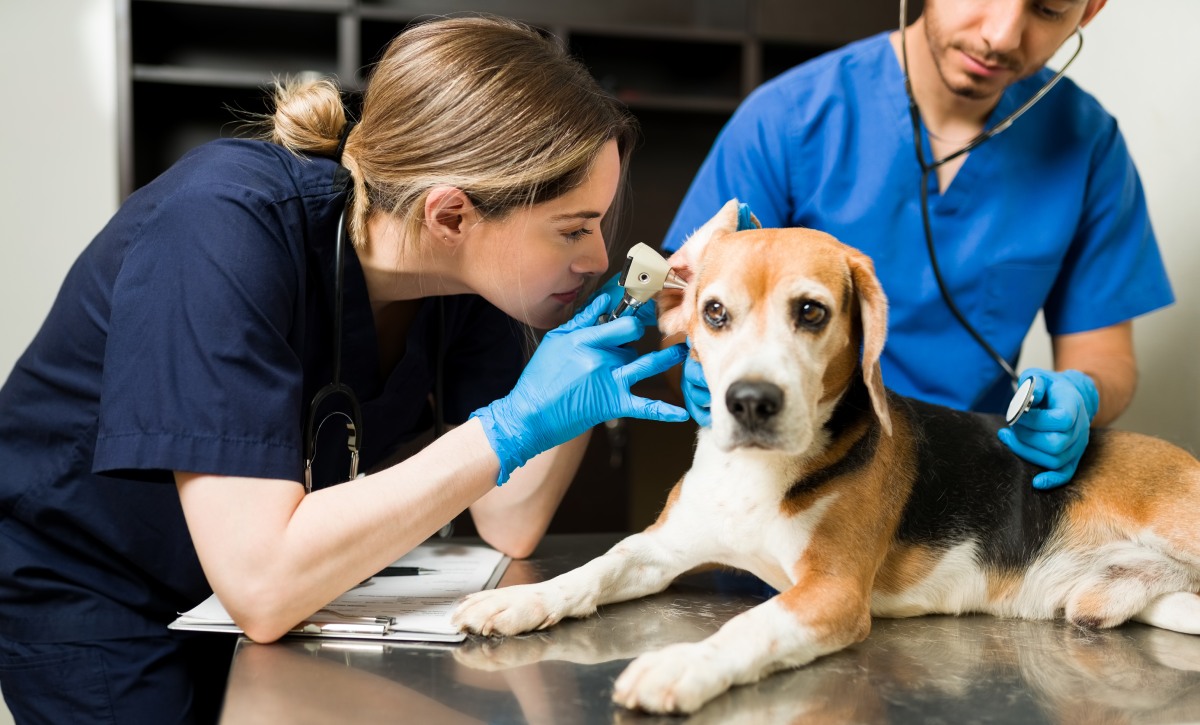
{"x":648,"y":69}
{"x":779,"y":57}
{"x":170,"y":118}
{"x":183,"y":75}
{"x":241,"y":39}
{"x":669,"y":15}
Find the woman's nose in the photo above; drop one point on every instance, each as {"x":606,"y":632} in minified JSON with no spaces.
{"x":593,"y":256}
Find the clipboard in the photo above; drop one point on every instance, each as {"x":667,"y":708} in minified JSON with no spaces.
{"x":414,"y":608}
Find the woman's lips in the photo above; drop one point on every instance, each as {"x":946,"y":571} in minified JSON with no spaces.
{"x":567,"y":298}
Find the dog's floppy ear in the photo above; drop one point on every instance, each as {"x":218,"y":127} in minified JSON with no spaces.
{"x":674,"y":316}
{"x":872,"y":305}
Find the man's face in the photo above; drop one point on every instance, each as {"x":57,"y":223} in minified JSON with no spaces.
{"x":980,"y":47}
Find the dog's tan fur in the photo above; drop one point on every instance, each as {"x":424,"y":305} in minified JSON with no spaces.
{"x":837,"y":493}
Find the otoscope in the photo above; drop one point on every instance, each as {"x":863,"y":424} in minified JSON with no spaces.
{"x":645,"y":274}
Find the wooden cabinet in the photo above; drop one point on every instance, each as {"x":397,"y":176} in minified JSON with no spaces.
{"x":682,"y":67}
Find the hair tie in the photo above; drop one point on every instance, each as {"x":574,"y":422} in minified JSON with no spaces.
{"x":337,"y":155}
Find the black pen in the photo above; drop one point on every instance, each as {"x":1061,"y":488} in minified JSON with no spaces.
{"x":405,"y":571}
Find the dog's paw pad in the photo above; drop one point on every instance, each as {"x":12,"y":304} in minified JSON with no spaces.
{"x":676,"y":679}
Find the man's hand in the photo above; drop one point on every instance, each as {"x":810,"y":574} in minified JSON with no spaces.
{"x":1054,"y":433}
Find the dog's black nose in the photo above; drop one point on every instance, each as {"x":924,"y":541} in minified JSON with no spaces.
{"x":753,"y":403}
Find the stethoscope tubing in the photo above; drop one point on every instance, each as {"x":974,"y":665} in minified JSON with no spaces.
{"x":928,"y":166}
{"x":354,"y":425}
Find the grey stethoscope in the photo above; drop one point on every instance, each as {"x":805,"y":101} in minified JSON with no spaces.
{"x":1023,"y":392}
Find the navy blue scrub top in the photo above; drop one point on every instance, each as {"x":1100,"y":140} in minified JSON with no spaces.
{"x":191,"y":335}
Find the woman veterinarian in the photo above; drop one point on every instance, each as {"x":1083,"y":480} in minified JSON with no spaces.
{"x":153,"y":437}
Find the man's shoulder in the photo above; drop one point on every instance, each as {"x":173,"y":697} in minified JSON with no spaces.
{"x":1073,"y":108}
{"x":832,"y":76}
{"x":866,"y":54}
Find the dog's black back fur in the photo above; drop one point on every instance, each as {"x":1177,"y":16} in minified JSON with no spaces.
{"x":970,"y":485}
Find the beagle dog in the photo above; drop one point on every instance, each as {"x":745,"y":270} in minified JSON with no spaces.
{"x":853,"y":501}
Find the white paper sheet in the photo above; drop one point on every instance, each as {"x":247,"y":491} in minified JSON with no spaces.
{"x":418,"y":606}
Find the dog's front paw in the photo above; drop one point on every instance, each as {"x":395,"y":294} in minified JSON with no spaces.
{"x":511,"y":610}
{"x":676,"y":679}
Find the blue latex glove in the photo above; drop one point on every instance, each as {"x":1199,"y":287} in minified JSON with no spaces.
{"x":746,"y":219}
{"x":579,"y":376}
{"x":1054,"y":432}
{"x":647,"y":312}
{"x":696,"y":395}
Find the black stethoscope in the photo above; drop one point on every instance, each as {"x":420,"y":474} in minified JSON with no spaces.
{"x":336,"y":388}
{"x":1023,"y":392}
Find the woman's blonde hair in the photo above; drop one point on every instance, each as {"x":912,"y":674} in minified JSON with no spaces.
{"x":487,"y":105}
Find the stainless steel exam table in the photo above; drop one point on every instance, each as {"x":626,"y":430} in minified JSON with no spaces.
{"x":937,"y":669}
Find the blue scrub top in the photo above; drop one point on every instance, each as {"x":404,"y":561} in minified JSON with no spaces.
{"x":191,"y":335}
{"x":1049,"y":214}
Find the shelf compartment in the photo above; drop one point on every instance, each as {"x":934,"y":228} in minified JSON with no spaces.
{"x":778,"y":57}
{"x":693,"y":14}
{"x":664,"y":74}
{"x":825,"y":23}
{"x":170,"y":119}
{"x":187,"y":40}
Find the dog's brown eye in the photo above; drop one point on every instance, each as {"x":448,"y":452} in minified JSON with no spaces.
{"x":715,"y":314}
{"x":809,"y":314}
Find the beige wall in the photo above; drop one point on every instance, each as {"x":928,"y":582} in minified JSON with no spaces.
{"x":59,"y":127}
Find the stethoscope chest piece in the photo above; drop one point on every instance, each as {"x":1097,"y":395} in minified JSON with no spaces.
{"x":1021,"y":402}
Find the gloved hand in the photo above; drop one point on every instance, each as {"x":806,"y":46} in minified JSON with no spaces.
{"x":1054,"y":432}
{"x":647,"y":312}
{"x":696,"y":395}
{"x":579,"y":376}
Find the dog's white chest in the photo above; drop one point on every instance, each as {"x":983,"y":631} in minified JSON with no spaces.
{"x":731,"y":506}
{"x":740,"y":491}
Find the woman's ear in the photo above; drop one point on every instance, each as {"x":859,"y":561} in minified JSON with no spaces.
{"x":449,"y":214}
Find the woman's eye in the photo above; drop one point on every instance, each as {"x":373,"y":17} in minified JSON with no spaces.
{"x":715,"y":314}
{"x":578,"y":234}
{"x":809,"y":314}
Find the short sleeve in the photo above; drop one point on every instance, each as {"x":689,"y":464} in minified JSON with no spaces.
{"x":200,"y":369}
